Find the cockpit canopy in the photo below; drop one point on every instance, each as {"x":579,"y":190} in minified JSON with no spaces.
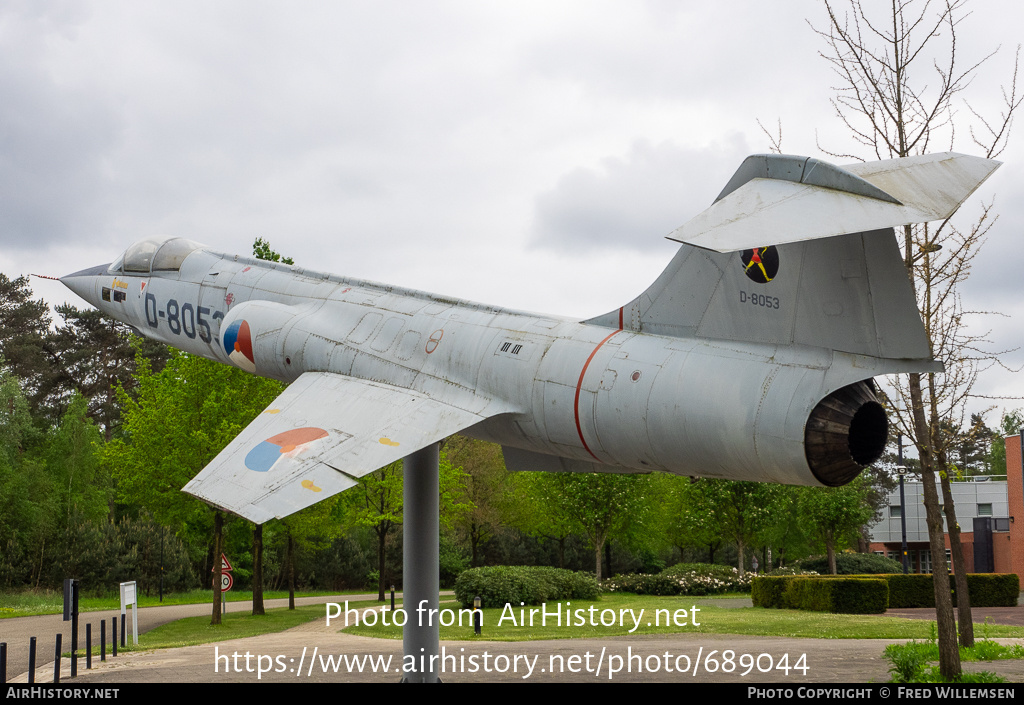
{"x":154,"y":255}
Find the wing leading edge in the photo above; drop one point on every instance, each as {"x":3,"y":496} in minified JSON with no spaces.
{"x":316,"y":439}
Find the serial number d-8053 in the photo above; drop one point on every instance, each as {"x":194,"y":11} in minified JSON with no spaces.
{"x":184,"y":318}
{"x":759,"y":300}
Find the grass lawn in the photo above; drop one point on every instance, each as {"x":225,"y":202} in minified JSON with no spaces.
{"x":28,"y":603}
{"x":711,"y":619}
{"x":198,"y":630}
{"x":684,"y":615}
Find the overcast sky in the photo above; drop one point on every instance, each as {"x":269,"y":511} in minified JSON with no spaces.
{"x":526,"y":154}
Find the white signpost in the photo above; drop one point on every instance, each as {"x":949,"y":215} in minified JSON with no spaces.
{"x":129,"y":597}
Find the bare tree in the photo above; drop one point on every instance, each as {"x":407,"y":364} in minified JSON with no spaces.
{"x":901,"y":80}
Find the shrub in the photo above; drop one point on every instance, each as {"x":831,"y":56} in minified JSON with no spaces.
{"x":823,"y":593}
{"x":698,"y":579}
{"x":837,"y":595}
{"x":854,"y":564}
{"x":693,"y":579}
{"x":908,"y":661}
{"x":912,"y":590}
{"x":531,"y":585}
{"x":993,"y":589}
{"x":642,"y":584}
{"x":987,"y":589}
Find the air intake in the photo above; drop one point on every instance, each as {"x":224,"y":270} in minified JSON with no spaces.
{"x":846,"y":432}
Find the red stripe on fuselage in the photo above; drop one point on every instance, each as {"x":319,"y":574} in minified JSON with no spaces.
{"x":579,"y":386}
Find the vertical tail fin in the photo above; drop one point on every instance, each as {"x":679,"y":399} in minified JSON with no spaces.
{"x":781,"y":259}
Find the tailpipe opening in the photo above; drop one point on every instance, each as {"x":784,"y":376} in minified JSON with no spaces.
{"x":845,"y":433}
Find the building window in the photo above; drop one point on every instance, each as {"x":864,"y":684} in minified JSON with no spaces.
{"x":925,"y":558}
{"x":985,"y":510}
{"x":895,"y":511}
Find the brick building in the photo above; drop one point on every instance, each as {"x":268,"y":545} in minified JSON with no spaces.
{"x":986,"y":508}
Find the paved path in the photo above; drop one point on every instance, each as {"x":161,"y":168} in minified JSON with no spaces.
{"x":312,"y":653}
{"x":289,"y":657}
{"x":17,"y":631}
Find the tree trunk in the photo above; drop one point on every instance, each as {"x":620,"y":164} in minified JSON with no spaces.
{"x":382,"y":535}
{"x":257,"y":570}
{"x":949,"y":652}
{"x":473,"y":538}
{"x":598,"y":545}
{"x":218,"y":531}
{"x":965,"y":619}
{"x":291,"y":572}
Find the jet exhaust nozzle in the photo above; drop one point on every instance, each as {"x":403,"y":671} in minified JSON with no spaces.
{"x":845,"y":432}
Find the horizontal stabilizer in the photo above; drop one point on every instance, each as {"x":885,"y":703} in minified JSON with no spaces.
{"x":774,"y":202}
{"x":317,"y":438}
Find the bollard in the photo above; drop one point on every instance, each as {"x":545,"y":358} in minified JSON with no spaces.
{"x":88,"y":646}
{"x":113,"y":637}
{"x":32,"y":660}
{"x":124,"y":623}
{"x":392,"y":598}
{"x":3,"y":662}
{"x":56,"y":659}
{"x":103,"y":640}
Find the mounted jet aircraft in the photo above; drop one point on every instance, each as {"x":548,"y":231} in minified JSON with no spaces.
{"x":750,"y":358}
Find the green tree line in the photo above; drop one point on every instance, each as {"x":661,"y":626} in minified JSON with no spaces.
{"x":99,"y":430}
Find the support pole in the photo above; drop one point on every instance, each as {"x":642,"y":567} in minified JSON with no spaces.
{"x":420,"y":563}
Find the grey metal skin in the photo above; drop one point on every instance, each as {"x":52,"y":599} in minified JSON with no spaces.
{"x":709,"y":372}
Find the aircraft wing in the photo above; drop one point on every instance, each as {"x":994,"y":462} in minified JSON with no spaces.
{"x":317,"y":438}
{"x":768,"y":208}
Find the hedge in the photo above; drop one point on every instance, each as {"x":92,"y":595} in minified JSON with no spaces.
{"x":531,"y":585}
{"x":914,"y":590}
{"x":825,"y":593}
{"x":986,"y":589}
{"x":853,"y":564}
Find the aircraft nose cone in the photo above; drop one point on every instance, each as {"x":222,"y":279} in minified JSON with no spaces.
{"x":83,"y":282}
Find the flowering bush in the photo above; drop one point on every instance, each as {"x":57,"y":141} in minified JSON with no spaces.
{"x":696,"y":579}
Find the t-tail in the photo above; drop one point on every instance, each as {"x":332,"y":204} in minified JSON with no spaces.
{"x":798,"y":253}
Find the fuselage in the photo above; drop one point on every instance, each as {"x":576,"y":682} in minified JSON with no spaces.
{"x":615,"y":398}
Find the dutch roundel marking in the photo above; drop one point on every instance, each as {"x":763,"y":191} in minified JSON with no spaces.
{"x":265,"y":455}
{"x":238,"y":345}
{"x":761,"y":264}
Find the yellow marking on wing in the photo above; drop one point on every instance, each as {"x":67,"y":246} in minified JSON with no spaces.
{"x":268,"y":411}
{"x":308,"y":484}
{"x":389,"y":442}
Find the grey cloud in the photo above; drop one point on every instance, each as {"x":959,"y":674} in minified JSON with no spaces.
{"x":634,"y":201}
{"x":52,"y":141}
